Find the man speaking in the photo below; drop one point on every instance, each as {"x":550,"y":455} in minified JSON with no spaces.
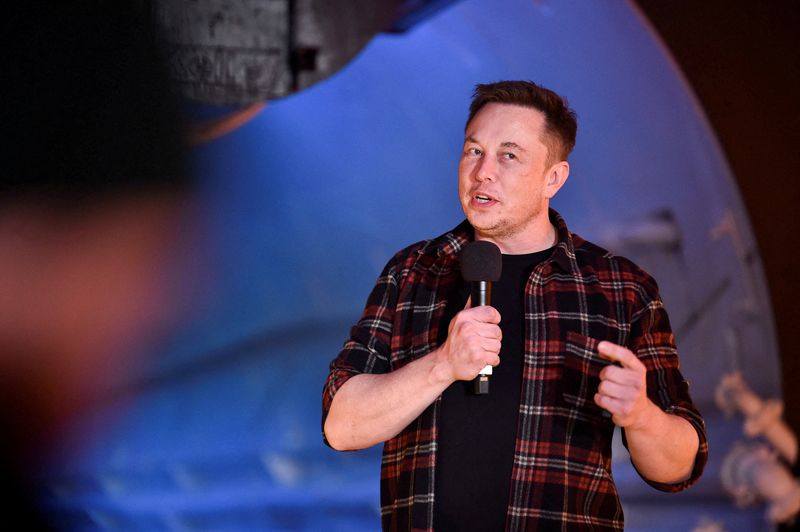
{"x":578,"y":339}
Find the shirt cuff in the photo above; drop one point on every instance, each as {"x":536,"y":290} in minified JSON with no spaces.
{"x":336,"y":380}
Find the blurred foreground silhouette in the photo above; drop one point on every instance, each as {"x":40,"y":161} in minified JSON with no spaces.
{"x":93,"y":194}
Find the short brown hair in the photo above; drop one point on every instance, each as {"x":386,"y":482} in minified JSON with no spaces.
{"x":561,"y":122}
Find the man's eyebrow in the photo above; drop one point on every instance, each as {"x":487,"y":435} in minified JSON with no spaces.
{"x":513,"y":145}
{"x":507,"y":144}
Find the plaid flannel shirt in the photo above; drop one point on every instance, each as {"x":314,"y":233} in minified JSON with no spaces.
{"x":579,"y":296}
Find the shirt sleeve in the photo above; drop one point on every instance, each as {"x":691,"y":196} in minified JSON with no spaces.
{"x":367,"y":349}
{"x":653,"y":342}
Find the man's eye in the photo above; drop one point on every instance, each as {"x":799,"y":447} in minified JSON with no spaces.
{"x":510,"y":156}
{"x":473,"y":151}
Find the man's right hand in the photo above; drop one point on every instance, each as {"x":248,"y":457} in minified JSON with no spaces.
{"x":473,"y":341}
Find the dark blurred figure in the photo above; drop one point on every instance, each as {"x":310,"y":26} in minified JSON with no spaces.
{"x":93,"y":191}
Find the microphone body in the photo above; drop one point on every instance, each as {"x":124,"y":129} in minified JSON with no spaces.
{"x":481,"y":264}
{"x":481,"y":292}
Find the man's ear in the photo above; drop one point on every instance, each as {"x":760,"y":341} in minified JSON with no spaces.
{"x":555,"y":178}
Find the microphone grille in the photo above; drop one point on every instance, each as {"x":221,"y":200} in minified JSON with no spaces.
{"x":481,"y":261}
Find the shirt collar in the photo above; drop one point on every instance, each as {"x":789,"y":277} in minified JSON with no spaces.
{"x":564,"y":254}
{"x":450,"y":244}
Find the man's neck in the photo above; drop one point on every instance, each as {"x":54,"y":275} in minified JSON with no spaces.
{"x":539,"y":236}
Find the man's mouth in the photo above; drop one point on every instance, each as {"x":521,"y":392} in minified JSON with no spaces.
{"x":482,"y":199}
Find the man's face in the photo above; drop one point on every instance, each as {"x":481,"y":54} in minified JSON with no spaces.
{"x":503,"y":172}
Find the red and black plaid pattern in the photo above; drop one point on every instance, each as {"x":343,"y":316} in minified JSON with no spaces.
{"x":581,"y":295}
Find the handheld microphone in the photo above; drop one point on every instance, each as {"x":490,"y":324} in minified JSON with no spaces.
{"x":481,"y":265}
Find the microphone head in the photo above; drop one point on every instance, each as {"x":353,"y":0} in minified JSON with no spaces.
{"x":481,"y":261}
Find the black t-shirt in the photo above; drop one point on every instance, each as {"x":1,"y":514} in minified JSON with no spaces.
{"x":477,"y":433}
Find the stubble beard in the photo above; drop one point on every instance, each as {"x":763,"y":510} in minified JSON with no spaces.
{"x":503,"y":228}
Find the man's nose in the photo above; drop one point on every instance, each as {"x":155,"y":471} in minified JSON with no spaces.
{"x":486,"y":169}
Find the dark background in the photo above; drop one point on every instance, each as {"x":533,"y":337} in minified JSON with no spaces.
{"x":742,"y":59}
